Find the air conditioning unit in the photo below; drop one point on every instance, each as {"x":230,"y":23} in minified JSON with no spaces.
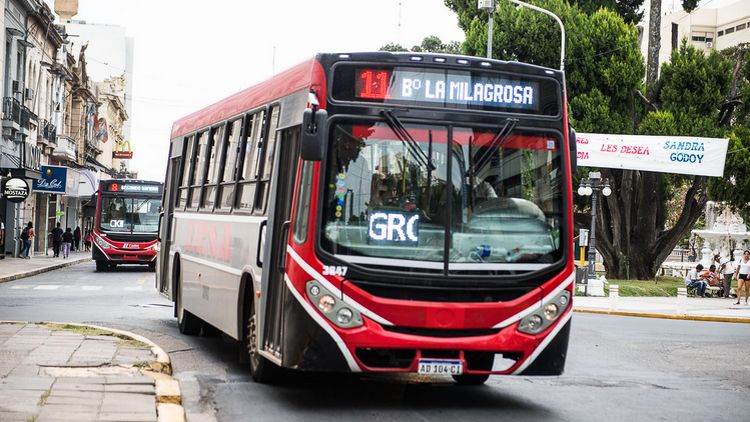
{"x":28,"y":94}
{"x":709,"y":44}
{"x":16,"y":86}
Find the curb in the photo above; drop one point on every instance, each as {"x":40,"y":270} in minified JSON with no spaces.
{"x":666,"y":316}
{"x":24,"y":274}
{"x":167,"y":389}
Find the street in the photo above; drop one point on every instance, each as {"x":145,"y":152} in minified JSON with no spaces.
{"x":619,"y":368}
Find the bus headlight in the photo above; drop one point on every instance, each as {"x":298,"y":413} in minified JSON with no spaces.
{"x":539,"y":320}
{"x":336,"y":311}
{"x":101,"y":243}
{"x":344,"y":316}
{"x":326,"y":303}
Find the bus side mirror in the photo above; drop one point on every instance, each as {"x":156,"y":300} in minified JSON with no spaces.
{"x":313,"y":142}
{"x":573,"y":150}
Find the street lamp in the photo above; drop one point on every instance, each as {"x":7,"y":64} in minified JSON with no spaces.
{"x":591,"y":187}
{"x":489,"y":5}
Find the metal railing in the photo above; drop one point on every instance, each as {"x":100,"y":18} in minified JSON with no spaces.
{"x":12,"y":110}
{"x":49,"y":131}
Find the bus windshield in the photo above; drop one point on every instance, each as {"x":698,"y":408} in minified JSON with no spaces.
{"x":129,"y":215}
{"x":489,"y":196}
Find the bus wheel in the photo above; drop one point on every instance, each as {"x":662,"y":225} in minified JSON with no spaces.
{"x":263,"y":370}
{"x":187,"y":323}
{"x":471,"y":379}
{"x":482,"y":361}
{"x":101,"y":266}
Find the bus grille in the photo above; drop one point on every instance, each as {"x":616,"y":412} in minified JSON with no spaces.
{"x":435,"y":332}
{"x":442,"y":294}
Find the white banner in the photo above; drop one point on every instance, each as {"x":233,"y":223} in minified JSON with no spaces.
{"x":665,"y":154}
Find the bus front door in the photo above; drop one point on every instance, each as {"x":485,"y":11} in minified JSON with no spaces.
{"x":165,"y":228}
{"x":280,"y":207}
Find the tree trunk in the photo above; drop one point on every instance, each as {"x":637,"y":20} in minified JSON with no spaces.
{"x":654,"y":42}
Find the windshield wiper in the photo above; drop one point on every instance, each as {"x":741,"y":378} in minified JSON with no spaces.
{"x":492,"y":149}
{"x":403,"y":134}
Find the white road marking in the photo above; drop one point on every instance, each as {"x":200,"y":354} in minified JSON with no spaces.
{"x":28,"y":286}
{"x":133,"y":288}
{"x":91,"y":287}
{"x":47,"y":287}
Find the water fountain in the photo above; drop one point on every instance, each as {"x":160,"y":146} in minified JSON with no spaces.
{"x":724,"y":228}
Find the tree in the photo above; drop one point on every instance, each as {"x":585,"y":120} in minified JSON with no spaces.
{"x":605,"y":73}
{"x":431,"y":44}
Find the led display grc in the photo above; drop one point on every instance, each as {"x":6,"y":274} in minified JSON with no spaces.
{"x":394,"y":227}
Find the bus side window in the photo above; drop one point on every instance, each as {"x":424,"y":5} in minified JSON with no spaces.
{"x":269,"y":154}
{"x":302,"y":210}
{"x":196,"y":176}
{"x":246,"y":189}
{"x":182,"y":198}
{"x":231,"y":152}
{"x":212,"y":175}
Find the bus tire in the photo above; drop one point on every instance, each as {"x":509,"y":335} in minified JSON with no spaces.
{"x":480,"y":361}
{"x":262,"y":370}
{"x":471,"y":379}
{"x":101,"y":266}
{"x":187,"y":323}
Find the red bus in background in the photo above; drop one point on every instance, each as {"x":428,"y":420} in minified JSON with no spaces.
{"x":126,"y":223}
{"x":378,"y":212}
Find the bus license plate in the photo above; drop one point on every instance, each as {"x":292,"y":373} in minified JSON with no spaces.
{"x":440,"y":367}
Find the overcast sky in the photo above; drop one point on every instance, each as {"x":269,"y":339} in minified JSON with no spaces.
{"x":189,"y":53}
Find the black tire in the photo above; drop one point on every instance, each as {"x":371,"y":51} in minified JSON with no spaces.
{"x":471,"y":379}
{"x":482,"y":361}
{"x":101,"y":266}
{"x":262,"y":370}
{"x":187,"y":323}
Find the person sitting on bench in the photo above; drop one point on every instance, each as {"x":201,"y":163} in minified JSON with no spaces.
{"x":696,"y":280}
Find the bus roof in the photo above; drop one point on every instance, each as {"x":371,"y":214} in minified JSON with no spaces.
{"x":284,"y":83}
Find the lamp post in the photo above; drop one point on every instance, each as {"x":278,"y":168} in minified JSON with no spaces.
{"x":592,"y":187}
{"x":489,"y":6}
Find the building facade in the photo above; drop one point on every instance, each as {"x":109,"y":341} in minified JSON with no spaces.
{"x":60,"y":126}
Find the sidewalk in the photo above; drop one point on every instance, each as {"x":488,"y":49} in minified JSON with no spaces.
{"x":15,"y":268}
{"x":73,"y":372}
{"x":693,"y":308}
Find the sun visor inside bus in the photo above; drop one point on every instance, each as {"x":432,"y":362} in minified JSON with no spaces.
{"x":313,"y":143}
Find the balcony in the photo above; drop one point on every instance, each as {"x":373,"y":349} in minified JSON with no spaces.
{"x":16,"y":118}
{"x":92,"y":148}
{"x":66,"y":149}
{"x":48,"y":131}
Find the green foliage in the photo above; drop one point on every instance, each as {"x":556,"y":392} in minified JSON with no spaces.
{"x":734,"y":187}
{"x":431,"y":44}
{"x":393,"y":47}
{"x":627,"y":9}
{"x":694,"y":83}
{"x":689,"y":5}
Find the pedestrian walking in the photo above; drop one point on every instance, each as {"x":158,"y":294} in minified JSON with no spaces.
{"x":67,"y":238}
{"x":87,"y":241}
{"x":743,"y":276}
{"x":57,"y":234}
{"x":77,"y":238}
{"x":27,"y":236}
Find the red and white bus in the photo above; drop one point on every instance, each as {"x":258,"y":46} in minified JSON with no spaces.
{"x":378,"y":212}
{"x":126,"y":223}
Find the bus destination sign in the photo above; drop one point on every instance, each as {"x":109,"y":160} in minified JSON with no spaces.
{"x":446,"y":88}
{"x":133,"y":188}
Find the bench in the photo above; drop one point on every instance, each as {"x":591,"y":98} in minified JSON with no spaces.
{"x":713,"y":291}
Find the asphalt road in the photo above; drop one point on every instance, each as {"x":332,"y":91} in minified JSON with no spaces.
{"x":619,"y":368}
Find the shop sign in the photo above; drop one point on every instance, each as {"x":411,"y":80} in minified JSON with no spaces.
{"x":52,"y":181}
{"x":122,"y":150}
{"x":15,"y":190}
